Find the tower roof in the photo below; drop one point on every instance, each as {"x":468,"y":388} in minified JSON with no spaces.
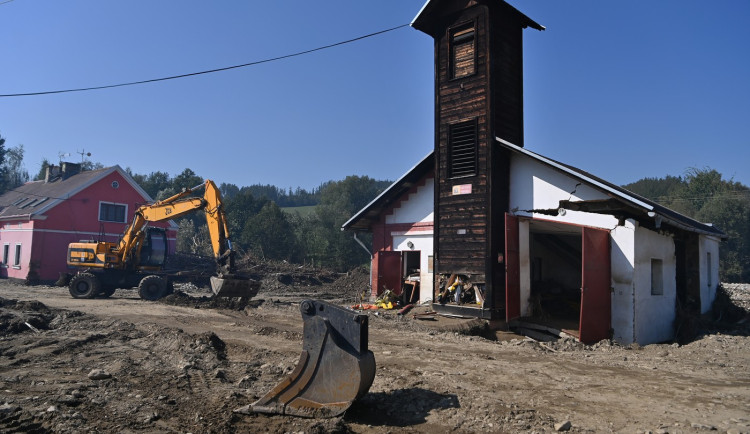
{"x":427,"y":17}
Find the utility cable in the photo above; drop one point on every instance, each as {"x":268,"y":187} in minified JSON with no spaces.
{"x":210,"y":71}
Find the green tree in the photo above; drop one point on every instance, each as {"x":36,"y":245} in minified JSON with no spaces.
{"x":338,"y":202}
{"x":239,"y":210}
{"x":193,"y":239}
{"x":153,"y":183}
{"x":703,"y":195}
{"x":270,"y":233}
{"x":42,"y":170}
{"x":11,"y":168}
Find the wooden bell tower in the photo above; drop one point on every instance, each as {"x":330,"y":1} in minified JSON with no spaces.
{"x":478,"y":96}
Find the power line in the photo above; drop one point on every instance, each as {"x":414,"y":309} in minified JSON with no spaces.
{"x":210,"y":71}
{"x":6,"y":1}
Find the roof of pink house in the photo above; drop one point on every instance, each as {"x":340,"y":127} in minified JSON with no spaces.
{"x":35,"y":198}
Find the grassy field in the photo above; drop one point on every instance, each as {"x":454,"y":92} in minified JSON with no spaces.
{"x":301,"y":210}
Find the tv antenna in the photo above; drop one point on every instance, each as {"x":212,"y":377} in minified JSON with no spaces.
{"x":83,"y":154}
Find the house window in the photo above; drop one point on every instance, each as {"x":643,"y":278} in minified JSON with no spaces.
{"x":462,"y":149}
{"x":112,"y":212}
{"x":709,"y":271}
{"x":463,"y":52}
{"x":6,"y":254}
{"x":17,"y":256}
{"x":657,"y":277}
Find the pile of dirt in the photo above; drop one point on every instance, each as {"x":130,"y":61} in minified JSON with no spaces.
{"x":74,"y":372}
{"x":181,"y":298}
{"x":729,"y":314}
{"x":738,"y":293}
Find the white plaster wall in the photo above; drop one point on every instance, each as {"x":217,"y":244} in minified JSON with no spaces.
{"x":534,"y":186}
{"x":417,"y":208}
{"x":422,"y":242}
{"x":709,"y":272}
{"x":623,"y":295}
{"x":654,"y":314}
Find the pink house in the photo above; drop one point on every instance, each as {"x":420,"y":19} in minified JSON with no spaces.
{"x":40,"y":218}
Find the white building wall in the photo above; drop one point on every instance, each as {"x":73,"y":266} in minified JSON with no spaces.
{"x":422,"y":242}
{"x":417,"y":208}
{"x":654,"y":314}
{"x":637,"y":316}
{"x":709,"y":270}
{"x":623,"y":283}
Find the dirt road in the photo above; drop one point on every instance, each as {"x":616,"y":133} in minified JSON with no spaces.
{"x":184,"y":368}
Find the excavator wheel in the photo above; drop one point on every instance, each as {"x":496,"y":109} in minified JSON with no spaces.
{"x":152,"y":287}
{"x":84,"y":285}
{"x":334,"y":369}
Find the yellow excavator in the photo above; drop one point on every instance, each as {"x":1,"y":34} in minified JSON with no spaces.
{"x":335,"y":367}
{"x":138,"y":258}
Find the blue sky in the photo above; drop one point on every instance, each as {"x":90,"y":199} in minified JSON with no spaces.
{"x":622,"y":89}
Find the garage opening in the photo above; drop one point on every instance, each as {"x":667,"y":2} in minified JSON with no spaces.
{"x":566,"y":282}
{"x":555,"y":253}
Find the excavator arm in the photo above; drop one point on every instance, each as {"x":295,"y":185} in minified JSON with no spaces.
{"x":177,"y":206}
{"x":225,"y":283}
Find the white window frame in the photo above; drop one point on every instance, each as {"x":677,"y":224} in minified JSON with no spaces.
{"x":99,"y":212}
{"x":17,"y":256}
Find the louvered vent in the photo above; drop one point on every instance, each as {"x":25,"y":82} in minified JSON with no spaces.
{"x":462,"y":148}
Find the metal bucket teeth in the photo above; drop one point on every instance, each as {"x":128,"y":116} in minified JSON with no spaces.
{"x":334,"y":369}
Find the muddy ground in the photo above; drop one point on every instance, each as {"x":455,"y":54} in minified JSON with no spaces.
{"x":185,"y":363}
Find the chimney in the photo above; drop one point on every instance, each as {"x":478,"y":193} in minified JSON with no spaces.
{"x":53,"y":172}
{"x":69,"y":169}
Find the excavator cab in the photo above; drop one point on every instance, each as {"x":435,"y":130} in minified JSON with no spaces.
{"x":154,"y":247}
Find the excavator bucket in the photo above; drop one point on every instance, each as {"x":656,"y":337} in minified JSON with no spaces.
{"x":234,"y":286}
{"x":334,"y":369}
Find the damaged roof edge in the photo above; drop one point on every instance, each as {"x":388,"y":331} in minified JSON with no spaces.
{"x":667,"y":214}
{"x":583,"y":177}
{"x":385,"y":193}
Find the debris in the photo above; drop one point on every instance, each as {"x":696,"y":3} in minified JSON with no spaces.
{"x":99,"y":374}
{"x":34,"y":329}
{"x":563,"y":426}
{"x":430,"y":316}
{"x":404,"y":310}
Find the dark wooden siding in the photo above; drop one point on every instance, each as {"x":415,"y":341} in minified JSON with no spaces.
{"x":461,"y":100}
{"x":470,"y":229}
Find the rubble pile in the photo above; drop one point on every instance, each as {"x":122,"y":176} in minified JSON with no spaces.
{"x":72,"y":372}
{"x":739,"y":293}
